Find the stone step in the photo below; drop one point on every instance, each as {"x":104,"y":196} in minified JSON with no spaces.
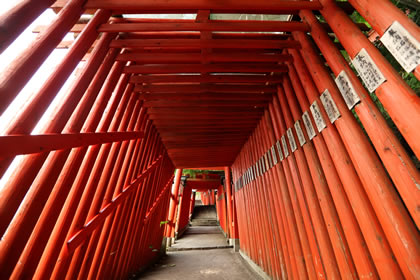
{"x":204,"y":222}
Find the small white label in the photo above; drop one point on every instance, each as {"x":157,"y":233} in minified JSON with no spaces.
{"x":347,"y":90}
{"x":292,"y":141}
{"x":308,"y":125}
{"x":273,"y":154}
{"x":368,"y":71}
{"x":262,"y":164}
{"x":316,"y":114}
{"x":267,"y":163}
{"x":279,"y":150}
{"x":299,"y":133}
{"x":257,"y":169}
{"x":330,"y":106}
{"x":270,"y":160}
{"x":284,"y":144}
{"x":402,"y":45}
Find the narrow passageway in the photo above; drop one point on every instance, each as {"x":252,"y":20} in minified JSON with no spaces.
{"x":202,"y":252}
{"x":209,"y":139}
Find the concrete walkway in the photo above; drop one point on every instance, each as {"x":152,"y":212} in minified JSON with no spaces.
{"x":200,"y":237}
{"x":194,"y":259}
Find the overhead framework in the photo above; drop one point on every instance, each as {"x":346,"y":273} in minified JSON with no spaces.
{"x":271,"y":99}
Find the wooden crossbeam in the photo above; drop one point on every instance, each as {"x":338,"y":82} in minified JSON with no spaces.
{"x":206,"y":79}
{"x":144,"y":58}
{"x":215,"y":68}
{"x":204,"y":96}
{"x":230,"y":26}
{"x":188,"y":6}
{"x":205,"y":88}
{"x":197,"y":43}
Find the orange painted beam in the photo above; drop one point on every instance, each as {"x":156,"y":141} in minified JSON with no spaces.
{"x":180,"y":58}
{"x":186,"y":6}
{"x":212,"y":25}
{"x":219,"y":68}
{"x":205,"y":88}
{"x":205,"y":79}
{"x":208,"y":43}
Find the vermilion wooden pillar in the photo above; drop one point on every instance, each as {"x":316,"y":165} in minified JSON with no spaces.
{"x":398,"y":163}
{"x":18,"y":18}
{"x":381,"y":19}
{"x":392,"y":214}
{"x":394,"y":90}
{"x":371,"y":229}
{"x":18,"y":73}
{"x":228,"y":187}
{"x":173,"y":203}
{"x":357,"y":246}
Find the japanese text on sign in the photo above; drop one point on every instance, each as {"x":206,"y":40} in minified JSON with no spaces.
{"x":402,"y":45}
{"x":368,"y":71}
{"x":308,"y":125}
{"x":279,"y":150}
{"x":299,"y":132}
{"x":273,"y":154}
{"x":292,"y":141}
{"x":284,"y":144}
{"x":347,"y":90}
{"x":329,"y":106}
{"x":316,"y":113}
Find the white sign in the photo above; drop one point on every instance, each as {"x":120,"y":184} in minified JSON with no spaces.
{"x":273,"y":154}
{"x":299,"y":133}
{"x":262,"y":164}
{"x":316,"y":114}
{"x":257,"y":168}
{"x":308,"y":125}
{"x":292,"y":141}
{"x":270,"y":161}
{"x":279,"y":150}
{"x":368,"y":71}
{"x":330,"y":106}
{"x":284,"y":144}
{"x":347,"y":90}
{"x":402,"y":45}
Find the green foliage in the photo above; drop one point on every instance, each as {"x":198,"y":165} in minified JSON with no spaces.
{"x":191,"y":173}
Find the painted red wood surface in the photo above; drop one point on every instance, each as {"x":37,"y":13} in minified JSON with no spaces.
{"x":94,"y":192}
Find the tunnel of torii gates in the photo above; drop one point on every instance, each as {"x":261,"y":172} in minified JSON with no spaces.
{"x":310,"y":193}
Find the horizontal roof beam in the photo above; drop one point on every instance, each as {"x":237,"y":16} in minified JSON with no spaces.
{"x":144,"y":58}
{"x":204,"y":88}
{"x":215,"y":68}
{"x":205,"y":96}
{"x":205,"y":43}
{"x":206,"y":79}
{"x":188,"y":6}
{"x":213,"y":25}
{"x":199,"y":103}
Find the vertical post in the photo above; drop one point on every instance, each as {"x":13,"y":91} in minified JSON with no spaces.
{"x":15,"y":76}
{"x":398,"y":163}
{"x":394,"y":90}
{"x":381,"y":19}
{"x":229,"y":201}
{"x":15,"y":20}
{"x":392,"y":214}
{"x":173,"y":203}
{"x":192,"y":203}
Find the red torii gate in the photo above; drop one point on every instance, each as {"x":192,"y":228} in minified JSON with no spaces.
{"x":155,"y":95}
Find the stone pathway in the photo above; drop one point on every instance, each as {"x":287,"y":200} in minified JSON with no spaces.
{"x":194,"y":258}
